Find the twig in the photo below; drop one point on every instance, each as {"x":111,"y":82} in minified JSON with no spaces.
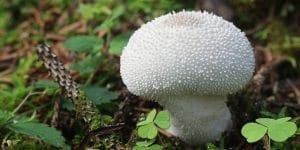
{"x":84,"y":107}
{"x":146,"y":110}
{"x":165,"y":133}
{"x":56,"y":110}
{"x":266,"y":141}
{"x":25,"y":99}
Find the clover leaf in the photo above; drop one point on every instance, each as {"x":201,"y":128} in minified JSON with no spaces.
{"x":149,"y":118}
{"x":148,"y":127}
{"x":147,"y":131}
{"x":162,"y":120}
{"x":253,"y":132}
{"x":278,"y":130}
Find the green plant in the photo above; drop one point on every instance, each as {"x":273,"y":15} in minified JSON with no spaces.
{"x":118,"y":42}
{"x":10,"y":120}
{"x":147,"y":145}
{"x":278,"y":130}
{"x":147,"y":129}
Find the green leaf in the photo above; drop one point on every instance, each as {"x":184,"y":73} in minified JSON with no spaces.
{"x":162,"y":120}
{"x":151,"y":115}
{"x":211,"y":146}
{"x":268,"y":122}
{"x":282,"y":112}
{"x":88,"y":65}
{"x":111,"y":21}
{"x":280,"y":132}
{"x":296,"y":119}
{"x":268,"y":114}
{"x":149,"y":118}
{"x":152,"y":147}
{"x":282,"y":120}
{"x":147,"y":131}
{"x":67,"y":104}
{"x":298,"y":131}
{"x":136,"y":147}
{"x":46,"y":84}
{"x":86,"y":10}
{"x":253,"y":132}
{"x":41,"y":131}
{"x":144,"y":122}
{"x":265,"y":121}
{"x":155,"y":147}
{"x":83,"y":43}
{"x":145,"y":143}
{"x":119,"y":42}
{"x":4,"y":116}
{"x":99,"y":95}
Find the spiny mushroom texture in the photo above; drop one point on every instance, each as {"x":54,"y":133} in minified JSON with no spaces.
{"x":189,"y":62}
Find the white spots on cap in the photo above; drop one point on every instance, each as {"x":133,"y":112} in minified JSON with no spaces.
{"x":186,"y":53}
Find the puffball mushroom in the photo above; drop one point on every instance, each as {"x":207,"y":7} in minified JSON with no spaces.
{"x":189,"y":62}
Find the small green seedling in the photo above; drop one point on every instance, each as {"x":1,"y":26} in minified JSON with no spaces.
{"x":278,"y":130}
{"x":147,"y":129}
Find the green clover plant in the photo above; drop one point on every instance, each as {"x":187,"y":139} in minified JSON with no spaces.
{"x":147,"y":145}
{"x":147,"y":129}
{"x":278,"y":130}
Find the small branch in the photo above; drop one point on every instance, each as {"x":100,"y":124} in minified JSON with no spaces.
{"x":266,"y":141}
{"x":145,"y":110}
{"x":165,"y":133}
{"x":25,"y":99}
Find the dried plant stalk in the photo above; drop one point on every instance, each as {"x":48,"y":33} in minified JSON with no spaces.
{"x":84,"y":107}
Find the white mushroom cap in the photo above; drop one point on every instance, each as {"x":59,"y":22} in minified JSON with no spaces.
{"x":187,"y":53}
{"x":189,"y":62}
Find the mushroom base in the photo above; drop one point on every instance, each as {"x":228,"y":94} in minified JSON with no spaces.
{"x":197,"y":120}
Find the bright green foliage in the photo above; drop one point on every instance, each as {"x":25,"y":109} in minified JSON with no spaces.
{"x":112,"y":20}
{"x":39,"y":130}
{"x":253,"y":132}
{"x":118,"y":43}
{"x":26,"y":126}
{"x":151,"y":147}
{"x":162,"y":120}
{"x":11,"y":95}
{"x":93,"y":10}
{"x":147,"y":145}
{"x":90,"y":45}
{"x":4,"y":117}
{"x":147,"y":128}
{"x":149,"y":118}
{"x":83,"y":43}
{"x":148,"y":131}
{"x":211,"y":146}
{"x":278,"y":130}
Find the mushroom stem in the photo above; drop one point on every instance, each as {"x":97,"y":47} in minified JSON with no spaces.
{"x":198,"y":119}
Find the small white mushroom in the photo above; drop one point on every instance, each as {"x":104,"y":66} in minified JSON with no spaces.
{"x":189,"y":62}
